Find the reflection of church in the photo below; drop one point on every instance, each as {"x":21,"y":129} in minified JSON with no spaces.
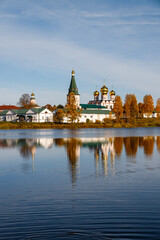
{"x":106,"y":150}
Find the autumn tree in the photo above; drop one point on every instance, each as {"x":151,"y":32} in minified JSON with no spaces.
{"x":141,"y":109}
{"x":148,"y":105}
{"x":60,"y":106}
{"x":158,"y":107}
{"x":50,"y":107}
{"x":71,"y":111}
{"x":131,"y":106}
{"x":58,"y":116}
{"x":24,"y":101}
{"x":127,"y":103}
{"x":118,"y":108}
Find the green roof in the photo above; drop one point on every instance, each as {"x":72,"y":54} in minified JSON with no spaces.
{"x":38,"y":110}
{"x":22,"y":111}
{"x":4,"y":112}
{"x":94,"y":111}
{"x":73,"y":86}
{"x":93,"y":106}
{"x":16,"y":110}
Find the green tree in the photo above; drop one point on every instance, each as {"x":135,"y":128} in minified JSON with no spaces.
{"x":118,"y":108}
{"x":148,"y":105}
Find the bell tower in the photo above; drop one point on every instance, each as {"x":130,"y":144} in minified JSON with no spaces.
{"x":73,"y":90}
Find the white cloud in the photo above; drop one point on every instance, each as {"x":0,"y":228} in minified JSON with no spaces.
{"x":28,"y":47}
{"x":36,"y":51}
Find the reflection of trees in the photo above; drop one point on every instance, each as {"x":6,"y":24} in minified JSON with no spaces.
{"x":105,"y":149}
{"x":131,"y":145}
{"x":158,"y":143}
{"x":8,"y":143}
{"x":148,"y":146}
{"x":141,"y":141}
{"x":118,"y":145}
{"x":25,"y":151}
{"x":59,"y":142}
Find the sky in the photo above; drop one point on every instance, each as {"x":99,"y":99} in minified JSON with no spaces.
{"x":113,"y":42}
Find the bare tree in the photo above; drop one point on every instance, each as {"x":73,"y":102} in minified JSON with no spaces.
{"x":24,"y":100}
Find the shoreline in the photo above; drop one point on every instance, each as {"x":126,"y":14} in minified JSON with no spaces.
{"x":134,"y":123}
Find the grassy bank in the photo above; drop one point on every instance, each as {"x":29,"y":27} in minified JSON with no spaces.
{"x":108,"y":124}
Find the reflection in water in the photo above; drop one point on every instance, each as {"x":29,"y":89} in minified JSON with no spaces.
{"x":72,"y":146}
{"x":118,"y":145}
{"x":158,"y":143}
{"x":131,"y":145}
{"x":117,"y":191}
{"x":148,"y":146}
{"x":106,"y":150}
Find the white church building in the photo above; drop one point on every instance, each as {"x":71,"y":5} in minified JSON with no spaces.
{"x":94,"y":110}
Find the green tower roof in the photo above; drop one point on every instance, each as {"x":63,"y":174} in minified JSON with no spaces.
{"x":73,"y":86}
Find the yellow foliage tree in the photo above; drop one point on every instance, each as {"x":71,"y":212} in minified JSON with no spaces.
{"x":71,"y":110}
{"x":158,"y":107}
{"x":131,"y":106}
{"x":141,"y":109}
{"x":148,"y":105}
{"x":118,"y":108}
{"x":59,"y":115}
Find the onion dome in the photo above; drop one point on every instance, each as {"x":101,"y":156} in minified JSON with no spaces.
{"x":73,"y":72}
{"x":112,"y":92}
{"x":32,"y":96}
{"x":104,"y":90}
{"x":96,"y":93}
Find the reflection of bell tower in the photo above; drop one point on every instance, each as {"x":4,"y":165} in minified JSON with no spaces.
{"x":96,"y":157}
{"x":104,"y":157}
{"x":73,"y":152}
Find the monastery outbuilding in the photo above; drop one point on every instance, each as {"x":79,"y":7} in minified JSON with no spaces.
{"x":35,"y":114}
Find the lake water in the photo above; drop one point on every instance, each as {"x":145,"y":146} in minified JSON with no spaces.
{"x":80,"y":184}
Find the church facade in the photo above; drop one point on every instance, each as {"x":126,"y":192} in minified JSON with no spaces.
{"x":94,"y":110}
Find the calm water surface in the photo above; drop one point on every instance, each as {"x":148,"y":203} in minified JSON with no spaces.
{"x":80,"y":184}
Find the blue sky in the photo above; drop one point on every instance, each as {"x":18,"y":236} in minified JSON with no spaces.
{"x":41,"y":41}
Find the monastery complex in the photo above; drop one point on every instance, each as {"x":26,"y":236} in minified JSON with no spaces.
{"x":97,"y":109}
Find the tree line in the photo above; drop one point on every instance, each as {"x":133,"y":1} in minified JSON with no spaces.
{"x":131,"y":109}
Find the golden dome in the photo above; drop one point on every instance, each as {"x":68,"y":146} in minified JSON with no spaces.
{"x":73,"y":72}
{"x":104,"y":90}
{"x":32,"y":94}
{"x":112,"y":92}
{"x":96,"y":93}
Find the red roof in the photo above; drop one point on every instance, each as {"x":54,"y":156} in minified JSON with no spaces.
{"x":8,"y":107}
